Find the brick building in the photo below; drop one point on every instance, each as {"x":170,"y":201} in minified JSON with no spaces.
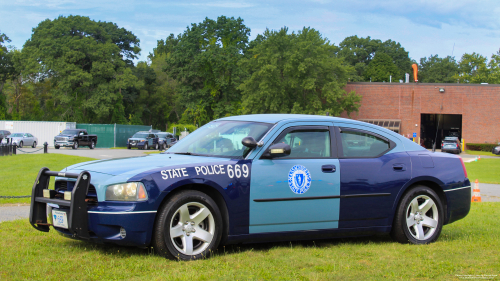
{"x":468,"y":111}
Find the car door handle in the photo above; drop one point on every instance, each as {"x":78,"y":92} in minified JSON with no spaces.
{"x":399,"y":167}
{"x":328,"y":168}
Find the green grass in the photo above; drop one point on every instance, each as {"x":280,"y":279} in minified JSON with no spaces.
{"x":473,"y":152}
{"x":18,"y":172}
{"x":466,"y":247}
{"x":485,"y":170}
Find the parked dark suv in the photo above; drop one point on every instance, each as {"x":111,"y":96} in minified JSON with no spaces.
{"x":496,"y":150}
{"x":452,"y":145}
{"x":4,"y":134}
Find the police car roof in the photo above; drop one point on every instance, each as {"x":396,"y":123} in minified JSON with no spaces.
{"x":275,"y":118}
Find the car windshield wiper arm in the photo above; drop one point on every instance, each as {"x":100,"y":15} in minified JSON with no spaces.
{"x":183,"y":153}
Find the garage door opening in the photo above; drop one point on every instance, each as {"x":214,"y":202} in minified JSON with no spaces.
{"x":445,"y":125}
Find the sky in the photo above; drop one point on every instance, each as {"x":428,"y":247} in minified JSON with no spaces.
{"x":423,"y":27}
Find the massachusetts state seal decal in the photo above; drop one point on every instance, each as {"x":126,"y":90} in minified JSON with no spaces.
{"x":299,"y":179}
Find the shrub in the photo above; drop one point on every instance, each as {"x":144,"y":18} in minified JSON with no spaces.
{"x":180,"y":128}
{"x":488,"y":147}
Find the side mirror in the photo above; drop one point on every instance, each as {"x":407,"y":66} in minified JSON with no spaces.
{"x":249,"y":142}
{"x":278,"y":150}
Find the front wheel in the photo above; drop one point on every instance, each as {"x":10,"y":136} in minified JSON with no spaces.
{"x":92,"y":145}
{"x":146,"y":146}
{"x":21,"y":145}
{"x":34,"y":144}
{"x":56,"y":147}
{"x":419,"y":217}
{"x":75,"y":145}
{"x":188,"y":226}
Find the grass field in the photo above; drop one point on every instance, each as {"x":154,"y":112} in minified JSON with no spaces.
{"x":466,"y":247}
{"x":486,"y":170}
{"x":18,"y":173}
{"x":473,"y":152}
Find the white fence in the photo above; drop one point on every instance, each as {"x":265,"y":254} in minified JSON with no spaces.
{"x":43,"y":130}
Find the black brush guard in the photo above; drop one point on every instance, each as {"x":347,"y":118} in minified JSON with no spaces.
{"x":78,"y":216}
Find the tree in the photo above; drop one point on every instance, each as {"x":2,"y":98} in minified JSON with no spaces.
{"x":437,"y":70}
{"x":204,"y":60}
{"x":381,"y":68}
{"x":472,"y":69}
{"x":84,"y":60}
{"x":296,"y":73}
{"x":359,"y":52}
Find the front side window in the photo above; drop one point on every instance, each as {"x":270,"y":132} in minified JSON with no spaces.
{"x":221,"y":138}
{"x":360,"y":144}
{"x":309,"y":143}
{"x":17,"y":135}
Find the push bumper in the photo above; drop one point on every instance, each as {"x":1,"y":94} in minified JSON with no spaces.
{"x":77,"y":214}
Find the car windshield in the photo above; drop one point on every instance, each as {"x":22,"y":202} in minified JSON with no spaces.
{"x":162,"y":135}
{"x":221,"y":138}
{"x":69,"y":132}
{"x":140,"y":135}
{"x":16,"y":135}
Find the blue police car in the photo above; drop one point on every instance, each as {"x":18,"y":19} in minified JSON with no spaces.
{"x":258,"y":178}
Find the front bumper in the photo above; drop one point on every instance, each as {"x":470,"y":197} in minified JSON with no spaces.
{"x":64,"y":143}
{"x":102,"y":222}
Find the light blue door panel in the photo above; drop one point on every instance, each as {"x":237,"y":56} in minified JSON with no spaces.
{"x":270,"y":181}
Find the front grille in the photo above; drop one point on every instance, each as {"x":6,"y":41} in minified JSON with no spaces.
{"x":62,"y":186}
{"x":61,"y":138}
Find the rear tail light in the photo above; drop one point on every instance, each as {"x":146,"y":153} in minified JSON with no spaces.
{"x":456,"y":145}
{"x":463,"y":166}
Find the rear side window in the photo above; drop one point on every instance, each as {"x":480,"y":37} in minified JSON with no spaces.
{"x":360,"y":144}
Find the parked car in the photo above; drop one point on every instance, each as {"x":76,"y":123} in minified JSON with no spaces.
{"x":496,"y":150}
{"x":269,"y":177}
{"x":452,"y":145}
{"x":22,"y":139}
{"x":75,"y":138}
{"x":4,"y":134}
{"x":165,"y":139}
{"x":143,"y":140}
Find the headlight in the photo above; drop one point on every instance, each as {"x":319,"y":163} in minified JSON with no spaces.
{"x":130,"y":191}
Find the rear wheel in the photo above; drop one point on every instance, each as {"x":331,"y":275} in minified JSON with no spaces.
{"x":188,"y":226}
{"x":419,"y":217}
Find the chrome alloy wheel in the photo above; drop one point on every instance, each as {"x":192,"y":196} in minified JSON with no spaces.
{"x":192,"y":228}
{"x":422,"y":217}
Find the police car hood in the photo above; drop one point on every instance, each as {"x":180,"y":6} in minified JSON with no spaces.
{"x":135,"y":165}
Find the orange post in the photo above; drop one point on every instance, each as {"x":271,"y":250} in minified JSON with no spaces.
{"x":415,"y":72}
{"x":476,"y":193}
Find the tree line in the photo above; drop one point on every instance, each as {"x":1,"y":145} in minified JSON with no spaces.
{"x":76,"y":69}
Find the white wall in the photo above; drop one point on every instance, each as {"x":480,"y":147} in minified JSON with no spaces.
{"x":43,"y":130}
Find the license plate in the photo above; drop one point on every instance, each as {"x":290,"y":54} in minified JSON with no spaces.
{"x":60,"y":219}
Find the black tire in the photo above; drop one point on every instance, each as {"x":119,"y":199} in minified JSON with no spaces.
{"x":156,"y":146}
{"x":145,"y":147}
{"x":429,"y":222}
{"x":92,"y":145}
{"x":75,"y":145}
{"x":128,"y":147}
{"x":34,"y":144}
{"x":21,"y":144}
{"x":164,"y":146}
{"x":169,"y":217}
{"x":56,"y":147}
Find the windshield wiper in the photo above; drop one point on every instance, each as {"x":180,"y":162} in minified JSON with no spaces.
{"x":183,"y":153}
